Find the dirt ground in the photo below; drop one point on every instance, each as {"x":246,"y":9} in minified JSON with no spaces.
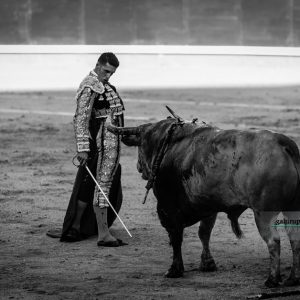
{"x":36,"y":150}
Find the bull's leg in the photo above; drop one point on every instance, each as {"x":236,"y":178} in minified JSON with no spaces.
{"x":176,"y":270}
{"x":264,"y":222}
{"x":294,"y":236}
{"x":294,"y":277}
{"x":204,"y":232}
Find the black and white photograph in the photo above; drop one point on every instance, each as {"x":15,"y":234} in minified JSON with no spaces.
{"x":149,"y":149}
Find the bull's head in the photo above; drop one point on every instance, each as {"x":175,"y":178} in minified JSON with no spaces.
{"x":148,"y":138}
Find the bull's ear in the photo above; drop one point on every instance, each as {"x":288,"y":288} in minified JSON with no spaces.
{"x":131,"y":140}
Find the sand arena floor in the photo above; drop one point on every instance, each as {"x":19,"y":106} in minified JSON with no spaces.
{"x":36,"y":181}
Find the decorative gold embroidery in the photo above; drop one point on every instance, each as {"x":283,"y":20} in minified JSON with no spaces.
{"x":106,"y":166}
{"x":81,"y":119}
{"x":114,"y":100}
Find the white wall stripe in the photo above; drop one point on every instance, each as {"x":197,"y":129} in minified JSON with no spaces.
{"x":61,"y":67}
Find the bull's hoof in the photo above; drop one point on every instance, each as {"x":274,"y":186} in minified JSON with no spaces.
{"x":272,"y":282}
{"x":208,"y":265}
{"x":291,"y":281}
{"x":174,"y":273}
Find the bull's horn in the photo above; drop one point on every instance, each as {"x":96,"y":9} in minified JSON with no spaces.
{"x":174,"y":115}
{"x":122,"y":130}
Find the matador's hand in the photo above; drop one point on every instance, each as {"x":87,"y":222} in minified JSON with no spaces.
{"x":82,"y":157}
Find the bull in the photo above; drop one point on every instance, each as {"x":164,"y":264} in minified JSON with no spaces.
{"x":197,"y":170}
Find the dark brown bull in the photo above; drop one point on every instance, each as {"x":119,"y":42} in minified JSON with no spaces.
{"x":200,"y":170}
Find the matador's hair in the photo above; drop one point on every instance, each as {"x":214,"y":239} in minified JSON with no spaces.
{"x":108,"y":57}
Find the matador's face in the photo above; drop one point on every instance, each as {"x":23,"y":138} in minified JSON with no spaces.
{"x":104,"y":72}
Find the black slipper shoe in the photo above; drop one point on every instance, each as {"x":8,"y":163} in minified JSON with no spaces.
{"x":116,"y":243}
{"x":73,"y":235}
{"x":54,"y":233}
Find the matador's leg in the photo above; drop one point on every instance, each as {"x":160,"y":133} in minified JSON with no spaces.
{"x":107,"y":165}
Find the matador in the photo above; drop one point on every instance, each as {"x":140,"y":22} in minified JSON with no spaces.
{"x":98,"y":104}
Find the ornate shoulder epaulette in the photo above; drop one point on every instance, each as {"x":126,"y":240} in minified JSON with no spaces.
{"x":93,"y":83}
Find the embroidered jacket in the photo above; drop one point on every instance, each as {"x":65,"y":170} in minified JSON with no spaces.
{"x":94,"y":101}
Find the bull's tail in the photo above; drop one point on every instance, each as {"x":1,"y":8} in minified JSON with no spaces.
{"x":297,"y":167}
{"x":292,"y":150}
{"x":233,"y":216}
{"x":235,"y":226}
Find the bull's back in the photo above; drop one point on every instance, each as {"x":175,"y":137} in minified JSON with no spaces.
{"x":266,"y":174}
{"x":231,"y":167}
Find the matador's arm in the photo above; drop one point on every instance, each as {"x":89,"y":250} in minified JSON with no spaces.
{"x":85,"y":101}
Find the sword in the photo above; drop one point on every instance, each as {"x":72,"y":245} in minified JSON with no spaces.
{"x":98,"y":185}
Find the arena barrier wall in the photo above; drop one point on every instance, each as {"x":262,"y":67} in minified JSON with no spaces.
{"x":56,"y":67}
